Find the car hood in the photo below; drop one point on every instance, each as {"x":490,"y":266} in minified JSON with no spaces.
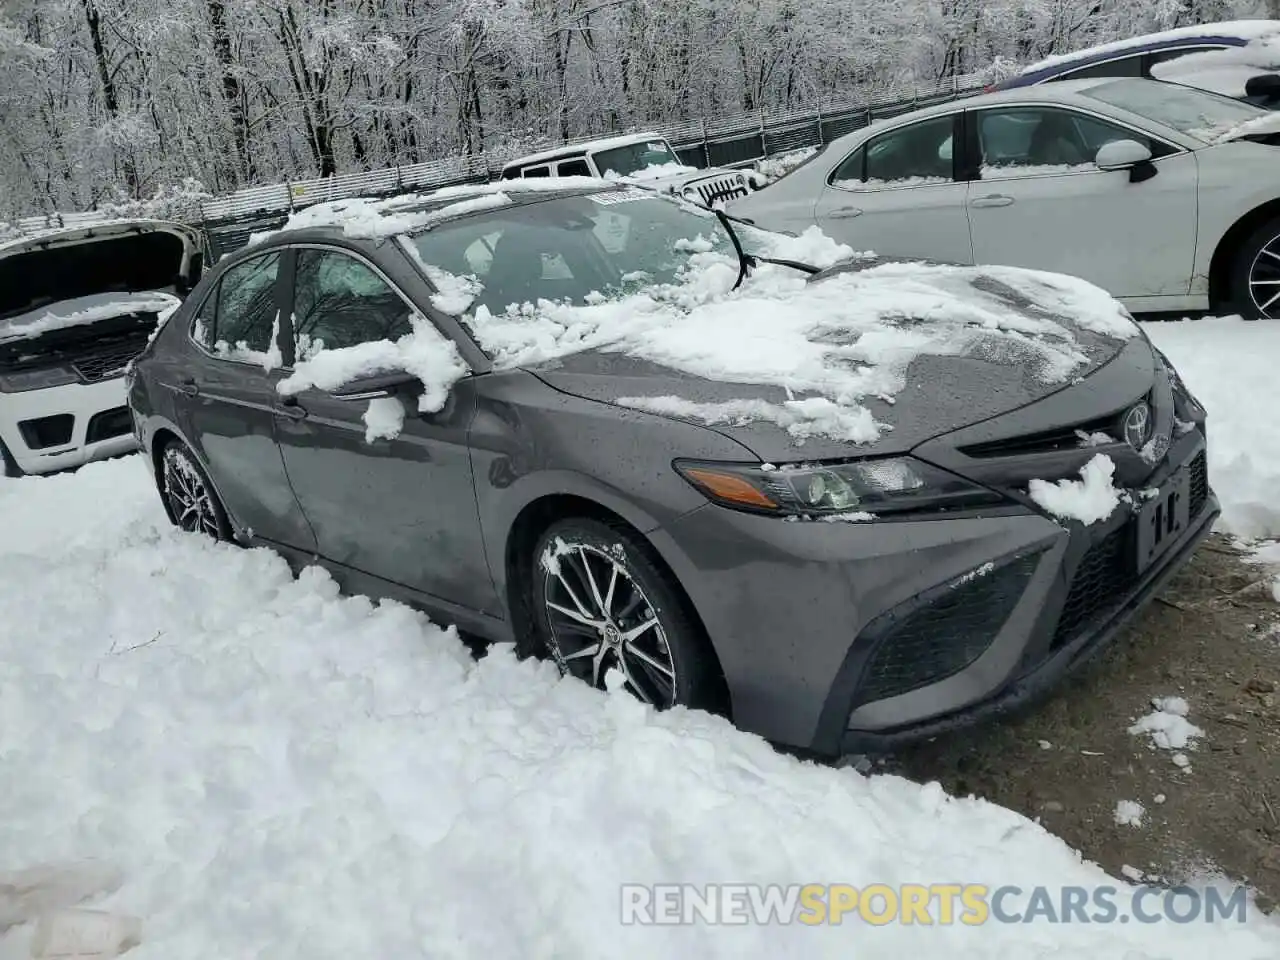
{"x":107,"y":259}
{"x":970,"y":377}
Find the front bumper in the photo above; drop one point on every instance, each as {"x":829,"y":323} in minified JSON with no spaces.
{"x":100,"y":425}
{"x":804,"y":627}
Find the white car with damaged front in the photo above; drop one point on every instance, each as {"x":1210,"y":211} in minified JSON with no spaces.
{"x":76,"y":306}
{"x":1165,"y":196}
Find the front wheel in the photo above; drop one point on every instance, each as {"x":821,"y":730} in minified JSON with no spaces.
{"x":1255,"y":275}
{"x":602,"y":605}
{"x":189,"y":497}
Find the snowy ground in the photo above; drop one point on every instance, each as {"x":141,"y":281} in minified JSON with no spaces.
{"x":277,"y":771}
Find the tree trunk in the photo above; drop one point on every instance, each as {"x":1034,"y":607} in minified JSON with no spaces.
{"x":110,"y":96}
{"x":242,"y":162}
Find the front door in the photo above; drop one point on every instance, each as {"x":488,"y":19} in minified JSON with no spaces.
{"x":387,"y":488}
{"x":1043,"y":203}
{"x":897,"y":195}
{"x":228,"y":398}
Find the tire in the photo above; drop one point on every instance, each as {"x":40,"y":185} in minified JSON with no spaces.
{"x":1255,"y":274}
{"x":189,"y":497}
{"x":648,"y":638}
{"x":8,"y":466}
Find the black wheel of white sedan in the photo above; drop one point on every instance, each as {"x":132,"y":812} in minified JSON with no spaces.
{"x":189,"y":496}
{"x":1256,"y":274}
{"x":602,"y":603}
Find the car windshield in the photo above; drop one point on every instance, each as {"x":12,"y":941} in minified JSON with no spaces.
{"x":627,"y":160}
{"x":1197,"y":113}
{"x":573,"y":248}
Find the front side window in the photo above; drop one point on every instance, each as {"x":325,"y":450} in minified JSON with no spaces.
{"x":239,"y":317}
{"x":542,"y":171}
{"x":1039,"y":141}
{"x":909,"y":156}
{"x":340,"y":302}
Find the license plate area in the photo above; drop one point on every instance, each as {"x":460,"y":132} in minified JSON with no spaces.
{"x":1163,"y":520}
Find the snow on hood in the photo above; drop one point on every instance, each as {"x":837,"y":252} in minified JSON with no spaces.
{"x":830,"y":344}
{"x":1268,"y":123}
{"x":1224,"y":71}
{"x":1244,"y":29}
{"x":82,"y":311}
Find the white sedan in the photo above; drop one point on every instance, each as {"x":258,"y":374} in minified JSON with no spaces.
{"x":1166,"y":196}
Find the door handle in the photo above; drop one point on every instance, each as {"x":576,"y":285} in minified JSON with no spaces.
{"x":188,"y":386}
{"x":291,"y":409}
{"x":992,"y":200}
{"x":843,"y":213}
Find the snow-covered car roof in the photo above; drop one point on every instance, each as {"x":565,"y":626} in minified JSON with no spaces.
{"x":1230,"y":32}
{"x":578,"y":149}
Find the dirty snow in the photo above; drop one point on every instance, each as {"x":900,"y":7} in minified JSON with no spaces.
{"x":1167,"y":725}
{"x":277,"y":771}
{"x":424,"y":353}
{"x":1129,"y":813}
{"x":1230,"y":366}
{"x":383,"y":419}
{"x":1090,"y":499}
{"x":82,"y":311}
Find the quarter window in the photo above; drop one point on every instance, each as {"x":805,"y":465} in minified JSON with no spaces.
{"x":913,"y":155}
{"x":340,"y":302}
{"x":241,"y":314}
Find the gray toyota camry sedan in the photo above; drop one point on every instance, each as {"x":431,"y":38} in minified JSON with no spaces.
{"x":846,"y":501}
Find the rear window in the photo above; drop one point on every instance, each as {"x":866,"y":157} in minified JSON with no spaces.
{"x":1195,"y":113}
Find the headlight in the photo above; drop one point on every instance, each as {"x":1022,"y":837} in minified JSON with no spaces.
{"x":18,"y":382}
{"x":890,"y":485}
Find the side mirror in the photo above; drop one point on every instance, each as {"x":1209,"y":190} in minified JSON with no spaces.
{"x":1121,"y":155}
{"x":1126,"y":155}
{"x":1264,"y":88}
{"x":377,"y":385}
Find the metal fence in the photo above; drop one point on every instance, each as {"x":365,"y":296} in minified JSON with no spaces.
{"x":732,"y":141}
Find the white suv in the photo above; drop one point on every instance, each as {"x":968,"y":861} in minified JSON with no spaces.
{"x":644,"y":157}
{"x":76,"y":306}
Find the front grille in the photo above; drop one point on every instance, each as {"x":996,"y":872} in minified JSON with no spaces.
{"x":106,"y":363}
{"x":44,"y":432}
{"x":720,"y":188}
{"x":1199,"y":484}
{"x":1105,"y":576}
{"x":109,"y":423}
{"x":1052,"y":441}
{"x":947,"y":633}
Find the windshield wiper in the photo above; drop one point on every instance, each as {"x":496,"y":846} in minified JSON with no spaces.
{"x":748,"y":261}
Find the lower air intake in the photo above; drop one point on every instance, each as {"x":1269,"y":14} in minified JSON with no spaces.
{"x":947,"y":633}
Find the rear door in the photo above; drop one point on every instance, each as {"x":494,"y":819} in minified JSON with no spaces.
{"x":1041,"y":202}
{"x":226,"y":400}
{"x":898,"y":195}
{"x":401,"y":507}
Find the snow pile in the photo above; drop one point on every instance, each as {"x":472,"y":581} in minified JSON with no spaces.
{"x":657,"y":171}
{"x":1090,"y":499}
{"x":1229,"y":364}
{"x":424,"y":353}
{"x":851,"y":335}
{"x":82,"y":311}
{"x":278,"y":771}
{"x":1168,"y":726}
{"x":384,"y":419}
{"x":1129,"y":813}
{"x":783,"y":163}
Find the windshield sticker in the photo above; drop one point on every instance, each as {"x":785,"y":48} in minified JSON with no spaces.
{"x":619,"y":196}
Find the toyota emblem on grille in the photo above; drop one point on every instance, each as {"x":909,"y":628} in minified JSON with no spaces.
{"x":1137,"y":425}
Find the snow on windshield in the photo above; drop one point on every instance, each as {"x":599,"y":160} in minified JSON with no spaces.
{"x":1195,"y":113}
{"x":82,"y":311}
{"x":829,"y":344}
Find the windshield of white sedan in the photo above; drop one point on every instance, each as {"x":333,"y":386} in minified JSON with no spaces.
{"x":1205,"y":116}
{"x":573,"y":248}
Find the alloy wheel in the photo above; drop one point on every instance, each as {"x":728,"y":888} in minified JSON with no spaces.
{"x":189,"y":497}
{"x":600,"y":619}
{"x":1264,"y":279}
